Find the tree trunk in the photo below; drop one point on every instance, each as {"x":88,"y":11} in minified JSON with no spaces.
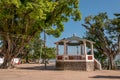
{"x":12,"y":47}
{"x":27,"y":58}
{"x":110,"y":62}
{"x":8,"y":50}
{"x":7,"y":63}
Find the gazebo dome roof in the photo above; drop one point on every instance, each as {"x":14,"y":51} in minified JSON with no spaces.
{"x":73,"y":41}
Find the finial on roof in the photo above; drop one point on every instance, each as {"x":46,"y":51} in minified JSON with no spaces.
{"x":73,"y":34}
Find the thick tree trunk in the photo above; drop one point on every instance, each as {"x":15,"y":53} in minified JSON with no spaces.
{"x":12,"y":47}
{"x":110,"y":62}
{"x":8,"y":50}
{"x":7,"y":63}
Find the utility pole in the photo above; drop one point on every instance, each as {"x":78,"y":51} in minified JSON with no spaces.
{"x":45,"y":49}
{"x":119,"y":44}
{"x":40,"y":51}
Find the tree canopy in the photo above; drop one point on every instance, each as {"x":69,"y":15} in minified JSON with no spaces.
{"x":21,"y":20}
{"x":100,"y":30}
{"x":28,"y":17}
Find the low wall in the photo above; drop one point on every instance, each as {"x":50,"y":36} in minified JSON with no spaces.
{"x":75,"y":65}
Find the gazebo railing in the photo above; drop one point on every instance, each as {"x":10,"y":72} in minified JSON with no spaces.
{"x":76,"y":57}
{"x":71,"y":57}
{"x":90,"y":57}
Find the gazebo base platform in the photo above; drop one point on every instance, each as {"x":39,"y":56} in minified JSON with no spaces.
{"x":75,"y":65}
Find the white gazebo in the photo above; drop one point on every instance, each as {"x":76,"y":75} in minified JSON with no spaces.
{"x":81,"y":59}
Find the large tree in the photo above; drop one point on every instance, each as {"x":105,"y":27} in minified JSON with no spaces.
{"x":98,"y":30}
{"x":20,"y":20}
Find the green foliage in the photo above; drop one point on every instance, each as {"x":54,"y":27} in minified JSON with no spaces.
{"x":99,"y":29}
{"x":116,"y":22}
{"x":21,"y":20}
{"x":31,"y":16}
{"x":36,"y":50}
{"x":50,"y":53}
{"x":117,"y":62}
{"x":100,"y":57}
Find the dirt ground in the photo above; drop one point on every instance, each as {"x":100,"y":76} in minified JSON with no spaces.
{"x":37,"y":72}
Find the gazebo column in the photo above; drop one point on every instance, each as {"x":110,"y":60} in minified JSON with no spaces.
{"x":57,"y":49}
{"x":85,"y":52}
{"x":92,"y":49}
{"x":77,"y":50}
{"x":65,"y":49}
{"x":81,"y":49}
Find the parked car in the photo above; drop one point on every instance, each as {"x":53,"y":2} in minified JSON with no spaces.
{"x":14,"y":61}
{"x":1,"y":60}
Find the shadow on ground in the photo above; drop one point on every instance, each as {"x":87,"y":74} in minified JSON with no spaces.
{"x":48,"y":67}
{"x":106,"y":77}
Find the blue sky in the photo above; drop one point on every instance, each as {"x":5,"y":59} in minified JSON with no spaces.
{"x":87,"y":7}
